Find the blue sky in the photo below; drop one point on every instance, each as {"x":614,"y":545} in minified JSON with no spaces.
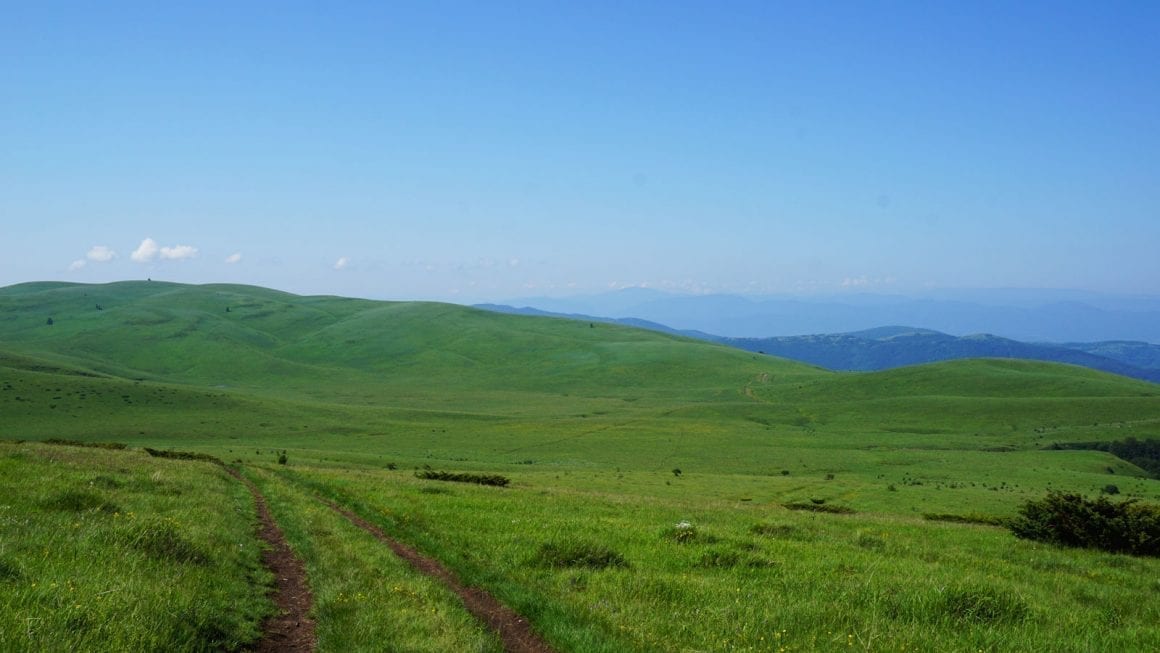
{"x":480,"y":151}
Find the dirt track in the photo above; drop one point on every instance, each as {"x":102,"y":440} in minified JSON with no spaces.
{"x":514,"y":631}
{"x":291,"y":630}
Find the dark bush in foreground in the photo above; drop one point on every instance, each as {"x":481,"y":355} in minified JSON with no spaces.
{"x":464,"y":477}
{"x":820,"y":507}
{"x":1072,"y":520}
{"x":578,"y":554}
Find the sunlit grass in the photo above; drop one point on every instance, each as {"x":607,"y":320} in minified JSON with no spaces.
{"x":117,"y":551}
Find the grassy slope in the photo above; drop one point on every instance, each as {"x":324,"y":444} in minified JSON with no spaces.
{"x":353,"y":381}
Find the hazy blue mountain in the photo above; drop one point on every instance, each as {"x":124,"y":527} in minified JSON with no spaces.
{"x":886,"y":347}
{"x":1026,"y":315}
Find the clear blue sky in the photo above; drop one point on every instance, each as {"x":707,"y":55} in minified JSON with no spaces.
{"x":474,"y":151}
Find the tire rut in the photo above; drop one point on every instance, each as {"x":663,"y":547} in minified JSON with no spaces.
{"x":514,"y":630}
{"x":291,"y":630}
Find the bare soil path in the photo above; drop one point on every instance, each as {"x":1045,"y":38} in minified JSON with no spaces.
{"x":291,"y":630}
{"x":514,"y":631}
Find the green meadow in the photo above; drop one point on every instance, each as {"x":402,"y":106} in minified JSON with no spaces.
{"x":649,"y":508}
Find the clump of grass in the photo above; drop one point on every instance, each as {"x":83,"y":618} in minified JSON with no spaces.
{"x":161,"y":541}
{"x":106,"y":482}
{"x":981,"y":605}
{"x":427,"y":489}
{"x":80,"y":501}
{"x":684,"y":532}
{"x":496,"y":480}
{"x":780,"y":531}
{"x":871,"y":542}
{"x":819,"y":507}
{"x":576,"y":553}
{"x":718,"y":558}
{"x":9,"y":571}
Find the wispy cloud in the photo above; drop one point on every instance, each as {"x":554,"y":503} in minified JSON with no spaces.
{"x":149,"y":251}
{"x":341,"y":263}
{"x":77,"y":264}
{"x":234,"y":258}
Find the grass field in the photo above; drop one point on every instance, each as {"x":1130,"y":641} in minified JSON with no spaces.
{"x":612,"y":437}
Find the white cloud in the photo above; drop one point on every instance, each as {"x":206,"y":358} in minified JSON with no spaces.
{"x":77,"y":264}
{"x":146,"y":251}
{"x":149,"y":250}
{"x":341,"y":263}
{"x":234,"y":258}
{"x":101,"y":254}
{"x":178,"y":252}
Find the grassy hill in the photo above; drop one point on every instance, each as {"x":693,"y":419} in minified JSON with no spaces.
{"x":197,"y":366}
{"x":611,"y":436}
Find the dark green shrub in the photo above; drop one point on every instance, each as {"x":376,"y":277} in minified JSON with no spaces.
{"x":819,"y":507}
{"x":1073,"y":520}
{"x":78,"y":443}
{"x":464,"y":477}
{"x":1110,"y":489}
{"x":970,"y":518}
{"x":183,"y":455}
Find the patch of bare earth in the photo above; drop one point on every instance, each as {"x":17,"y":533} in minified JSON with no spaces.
{"x":514,"y":631}
{"x":290,"y":630}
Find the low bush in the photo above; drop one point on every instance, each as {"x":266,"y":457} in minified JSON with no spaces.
{"x":183,"y":455}
{"x":1072,"y":520}
{"x":77,"y":443}
{"x":819,"y":507}
{"x":970,"y":518}
{"x":464,"y":477}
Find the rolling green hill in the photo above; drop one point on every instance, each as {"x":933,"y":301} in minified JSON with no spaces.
{"x":200,"y":365}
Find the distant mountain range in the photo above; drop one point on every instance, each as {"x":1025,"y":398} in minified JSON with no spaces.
{"x":897,"y":346}
{"x":1024,"y":315}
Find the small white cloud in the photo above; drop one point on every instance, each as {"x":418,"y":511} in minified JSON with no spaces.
{"x":514,"y":263}
{"x":146,"y":251}
{"x":341,"y":263}
{"x":101,"y":254}
{"x":178,"y":252}
{"x":77,"y":264}
{"x":149,"y":250}
{"x":234,"y":258}
{"x":855,"y":282}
